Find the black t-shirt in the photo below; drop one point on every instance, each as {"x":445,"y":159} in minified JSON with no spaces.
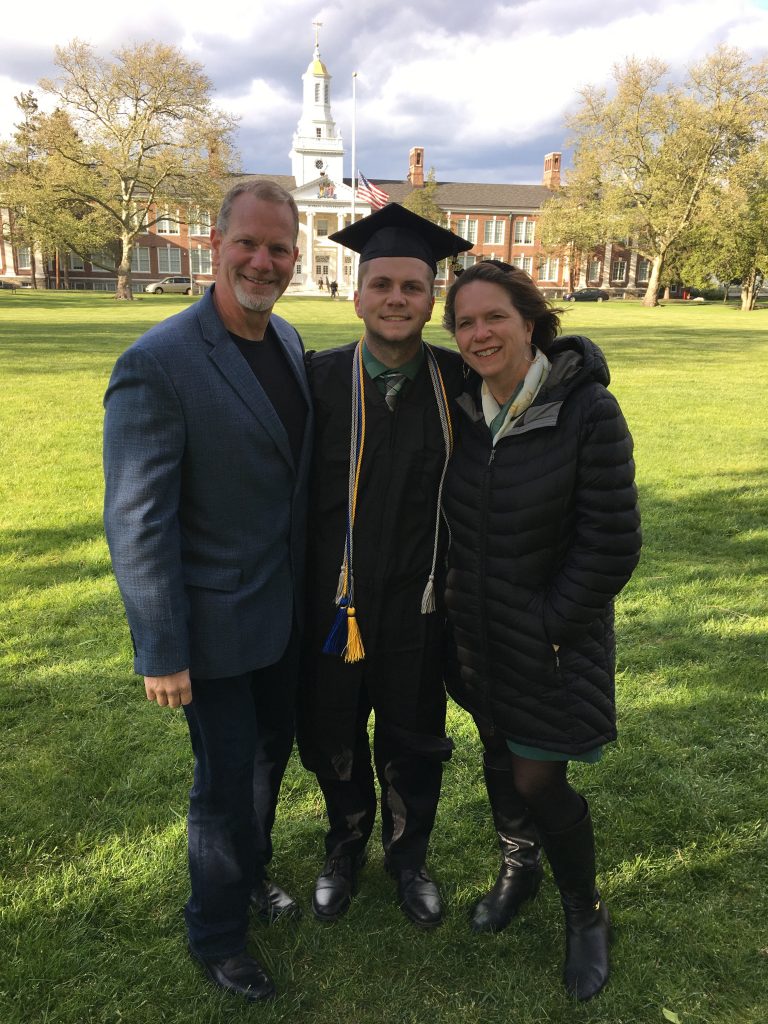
{"x":270,"y":366}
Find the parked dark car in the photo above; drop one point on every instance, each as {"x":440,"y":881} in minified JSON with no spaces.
{"x":10,"y":285}
{"x":587,"y":295}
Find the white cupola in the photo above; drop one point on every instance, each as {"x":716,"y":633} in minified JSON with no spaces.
{"x":318,"y":148}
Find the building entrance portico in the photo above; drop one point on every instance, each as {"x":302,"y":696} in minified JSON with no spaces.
{"x":324,"y":208}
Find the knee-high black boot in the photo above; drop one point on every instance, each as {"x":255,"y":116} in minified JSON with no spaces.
{"x":520,"y":872}
{"x":571,"y":854}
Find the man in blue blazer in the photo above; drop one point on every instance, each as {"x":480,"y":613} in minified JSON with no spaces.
{"x":207,"y":440}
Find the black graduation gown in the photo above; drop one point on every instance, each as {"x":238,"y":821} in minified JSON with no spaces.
{"x":393,"y":543}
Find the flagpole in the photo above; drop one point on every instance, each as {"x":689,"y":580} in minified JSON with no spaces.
{"x":353,"y":273}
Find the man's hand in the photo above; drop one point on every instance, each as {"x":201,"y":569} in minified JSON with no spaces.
{"x":169,"y":691}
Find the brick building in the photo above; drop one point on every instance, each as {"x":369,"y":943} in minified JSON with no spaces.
{"x":500,"y":219}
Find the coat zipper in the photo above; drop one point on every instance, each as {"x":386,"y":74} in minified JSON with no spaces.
{"x":483,"y":547}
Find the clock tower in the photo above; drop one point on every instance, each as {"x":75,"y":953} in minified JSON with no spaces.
{"x":318,"y":150}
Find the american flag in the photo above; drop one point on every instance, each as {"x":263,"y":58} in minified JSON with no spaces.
{"x":369,"y":193}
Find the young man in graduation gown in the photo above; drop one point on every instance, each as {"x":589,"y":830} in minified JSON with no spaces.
{"x":377,"y":546}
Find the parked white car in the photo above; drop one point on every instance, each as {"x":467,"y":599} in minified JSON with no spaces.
{"x":177,"y":285}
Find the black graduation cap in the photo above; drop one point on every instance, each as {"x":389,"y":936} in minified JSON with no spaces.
{"x":395,"y":231}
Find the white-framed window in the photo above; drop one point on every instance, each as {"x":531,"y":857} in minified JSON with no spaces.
{"x":76,"y":262}
{"x":321,"y":227}
{"x":201,"y":260}
{"x":199,"y":222}
{"x":140,"y":259}
{"x":167,"y":224}
{"x":297,"y":271}
{"x":525,"y":230}
{"x":24,"y":257}
{"x":594,"y":269}
{"x":319,"y":133}
{"x":549,"y":269}
{"x":347,"y":266}
{"x":102,"y":262}
{"x":321,"y":265}
{"x":467,"y":228}
{"x":524,"y":263}
{"x":493,"y":233}
{"x":317,"y":92}
{"x":169,"y":260}
{"x":643,"y":270}
{"x":465,"y":260}
{"x":618,"y":270}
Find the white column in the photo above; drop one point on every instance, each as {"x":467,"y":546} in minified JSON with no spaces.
{"x":310,"y":278}
{"x":605,"y":277}
{"x":339,"y":252}
{"x":583,"y":268}
{"x":632,"y":277}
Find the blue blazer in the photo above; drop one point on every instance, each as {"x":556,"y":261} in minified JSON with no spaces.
{"x":205,"y":510}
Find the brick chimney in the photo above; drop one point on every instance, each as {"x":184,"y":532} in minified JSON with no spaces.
{"x":416,"y":167}
{"x":551,"y":177}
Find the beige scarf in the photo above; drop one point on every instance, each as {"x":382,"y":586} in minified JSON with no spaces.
{"x":520,"y":401}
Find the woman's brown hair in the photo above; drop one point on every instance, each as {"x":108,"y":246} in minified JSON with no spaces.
{"x":522,"y":292}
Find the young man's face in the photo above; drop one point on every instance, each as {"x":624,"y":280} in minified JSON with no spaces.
{"x":394,"y":300}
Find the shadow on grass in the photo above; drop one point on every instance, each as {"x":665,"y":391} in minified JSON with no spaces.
{"x":677,"y":623}
{"x":47,"y":557}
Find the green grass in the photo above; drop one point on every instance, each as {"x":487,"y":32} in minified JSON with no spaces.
{"x":94,"y":779}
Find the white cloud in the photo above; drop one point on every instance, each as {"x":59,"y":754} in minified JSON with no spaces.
{"x":483,"y":78}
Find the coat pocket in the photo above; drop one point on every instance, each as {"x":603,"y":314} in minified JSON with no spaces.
{"x":208,"y":577}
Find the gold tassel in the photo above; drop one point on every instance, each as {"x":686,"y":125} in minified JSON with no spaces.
{"x":428,"y":597}
{"x":354,"y":650}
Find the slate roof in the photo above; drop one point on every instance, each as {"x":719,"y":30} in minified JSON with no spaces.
{"x":473,"y":196}
{"x":457,"y":196}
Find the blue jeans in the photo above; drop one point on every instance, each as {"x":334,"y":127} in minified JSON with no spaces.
{"x":242,"y":732}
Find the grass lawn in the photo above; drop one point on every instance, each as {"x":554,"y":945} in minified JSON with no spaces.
{"x":94,"y":779}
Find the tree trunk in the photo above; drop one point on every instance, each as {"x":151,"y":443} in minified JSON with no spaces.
{"x":33,"y":265}
{"x":666,"y":292}
{"x":651,"y":297}
{"x":124,"y":288}
{"x":749,"y":288}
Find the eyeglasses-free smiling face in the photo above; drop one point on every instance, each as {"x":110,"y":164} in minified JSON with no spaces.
{"x":256,"y":255}
{"x":395,"y":301}
{"x":493,"y":338}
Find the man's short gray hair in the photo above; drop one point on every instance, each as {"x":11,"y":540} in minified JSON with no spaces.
{"x":259,"y":188}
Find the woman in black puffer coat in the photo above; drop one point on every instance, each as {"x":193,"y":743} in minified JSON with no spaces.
{"x":542,"y":506}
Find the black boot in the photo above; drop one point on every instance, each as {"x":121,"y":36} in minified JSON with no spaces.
{"x":520,"y":872}
{"x":571,"y":854}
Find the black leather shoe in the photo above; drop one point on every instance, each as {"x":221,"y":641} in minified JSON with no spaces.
{"x":239,"y":974}
{"x":335,"y":886}
{"x":270,"y":903}
{"x":419,"y":897}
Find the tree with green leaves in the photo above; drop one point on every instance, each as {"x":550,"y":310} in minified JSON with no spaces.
{"x":44,"y":217}
{"x":423,"y":200}
{"x":730,"y":241}
{"x":658,"y":147}
{"x":141,"y":138}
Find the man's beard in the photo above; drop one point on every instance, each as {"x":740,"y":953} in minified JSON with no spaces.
{"x":256,"y":303}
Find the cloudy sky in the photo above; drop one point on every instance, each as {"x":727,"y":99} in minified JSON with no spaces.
{"x":482,"y":86}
